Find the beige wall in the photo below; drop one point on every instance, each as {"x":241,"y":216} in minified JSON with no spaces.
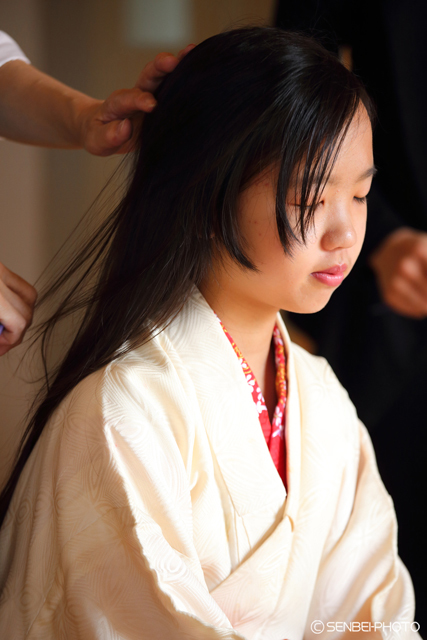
{"x":45,"y":192}
{"x":22,"y":213}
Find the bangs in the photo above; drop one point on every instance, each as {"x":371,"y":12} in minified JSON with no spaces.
{"x":313,"y":163}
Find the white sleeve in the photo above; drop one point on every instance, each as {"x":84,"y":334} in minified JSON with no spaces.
{"x":9,"y":50}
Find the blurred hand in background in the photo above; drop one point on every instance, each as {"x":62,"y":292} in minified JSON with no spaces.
{"x":17,"y":300}
{"x":400,"y":266}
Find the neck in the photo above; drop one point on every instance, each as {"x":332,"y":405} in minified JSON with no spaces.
{"x":250,"y":327}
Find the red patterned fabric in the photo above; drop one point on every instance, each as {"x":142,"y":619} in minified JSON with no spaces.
{"x":274,"y":431}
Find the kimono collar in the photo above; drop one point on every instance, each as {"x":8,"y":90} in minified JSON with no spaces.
{"x":254,"y":485}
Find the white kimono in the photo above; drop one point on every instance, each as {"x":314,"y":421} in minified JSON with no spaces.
{"x":151,"y":508}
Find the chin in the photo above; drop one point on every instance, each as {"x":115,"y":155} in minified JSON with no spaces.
{"x":311,"y":306}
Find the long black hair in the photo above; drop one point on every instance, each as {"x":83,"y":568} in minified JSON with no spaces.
{"x":238,"y":103}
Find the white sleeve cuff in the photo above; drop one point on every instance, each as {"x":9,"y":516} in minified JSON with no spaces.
{"x":9,"y":50}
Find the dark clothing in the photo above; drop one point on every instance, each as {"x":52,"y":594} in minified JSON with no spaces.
{"x":380,"y":356}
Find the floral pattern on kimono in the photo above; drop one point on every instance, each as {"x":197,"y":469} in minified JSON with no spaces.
{"x":274,"y":431}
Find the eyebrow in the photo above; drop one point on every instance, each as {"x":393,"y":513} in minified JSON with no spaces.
{"x":363,"y":176}
{"x":367,"y":174}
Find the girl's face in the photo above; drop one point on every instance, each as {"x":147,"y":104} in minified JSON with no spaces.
{"x":305,"y":281}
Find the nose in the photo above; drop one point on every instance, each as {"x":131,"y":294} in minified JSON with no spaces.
{"x":339,"y":232}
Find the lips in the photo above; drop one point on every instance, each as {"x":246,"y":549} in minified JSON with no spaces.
{"x":332,"y":276}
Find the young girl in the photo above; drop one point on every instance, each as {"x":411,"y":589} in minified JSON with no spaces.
{"x":193,"y":474}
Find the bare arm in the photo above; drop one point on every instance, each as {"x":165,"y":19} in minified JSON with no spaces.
{"x":37,"y":109}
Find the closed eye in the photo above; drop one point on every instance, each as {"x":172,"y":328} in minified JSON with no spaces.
{"x":361,"y":200}
{"x":308,"y":205}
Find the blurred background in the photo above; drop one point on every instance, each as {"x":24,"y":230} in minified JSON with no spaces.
{"x":95,"y":46}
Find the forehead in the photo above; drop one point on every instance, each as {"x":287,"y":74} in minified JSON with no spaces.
{"x":350,"y":159}
{"x":353,"y":159}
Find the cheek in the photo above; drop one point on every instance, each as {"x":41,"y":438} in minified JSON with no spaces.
{"x":360,"y":231}
{"x":268,"y":255}
{"x":257,"y":219}
{"x":262,"y":240}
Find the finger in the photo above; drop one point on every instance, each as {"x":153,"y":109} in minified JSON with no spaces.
{"x":11,"y":304}
{"x":133,"y":142}
{"x":184,"y":52}
{"x":124,"y":104}
{"x":105,"y":139}
{"x":413,"y":272}
{"x":15,"y":322}
{"x":18,"y":285}
{"x":155,"y":71}
{"x":406,"y":299}
{"x":420,"y":252}
{"x":6,"y":346}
